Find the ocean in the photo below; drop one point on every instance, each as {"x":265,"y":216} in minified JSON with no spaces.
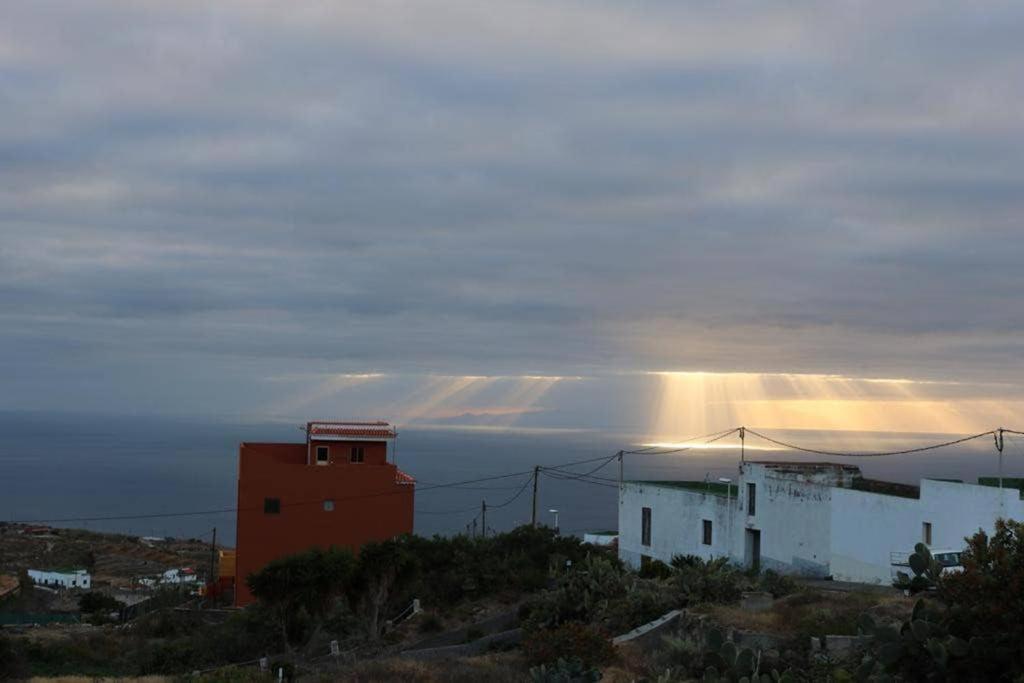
{"x":78,"y":467}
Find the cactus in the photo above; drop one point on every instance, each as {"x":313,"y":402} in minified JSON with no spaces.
{"x":922,"y":639}
{"x":564,"y":671}
{"x":926,"y":568}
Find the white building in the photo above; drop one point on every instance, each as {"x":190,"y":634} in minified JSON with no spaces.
{"x":811,"y":519}
{"x":171,"y":577}
{"x":70,"y":578}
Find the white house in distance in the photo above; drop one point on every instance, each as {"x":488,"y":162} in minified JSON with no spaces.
{"x":65,"y":578}
{"x":171,"y":577}
{"x":810,"y":519}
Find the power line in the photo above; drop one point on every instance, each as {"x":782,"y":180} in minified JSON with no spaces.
{"x":529,"y":480}
{"x":514,"y":496}
{"x":906,"y":451}
{"x":659,"y":451}
{"x":318,"y":501}
{"x":586,"y":480}
{"x":554,"y":470}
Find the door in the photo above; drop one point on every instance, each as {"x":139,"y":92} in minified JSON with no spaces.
{"x":753,"y":554}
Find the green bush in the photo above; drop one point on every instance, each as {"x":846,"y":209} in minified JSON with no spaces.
{"x":654,"y":569}
{"x":94,"y":602}
{"x":588,"y":644}
{"x":708,"y":581}
{"x":779,"y":585}
{"x":564,"y":671}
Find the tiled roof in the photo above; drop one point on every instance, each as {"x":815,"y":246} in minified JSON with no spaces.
{"x":366,"y":430}
{"x":404,"y":479}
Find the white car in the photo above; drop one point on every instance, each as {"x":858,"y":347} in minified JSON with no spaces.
{"x":948,"y":559}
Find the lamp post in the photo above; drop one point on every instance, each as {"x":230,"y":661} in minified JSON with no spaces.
{"x":555,"y":513}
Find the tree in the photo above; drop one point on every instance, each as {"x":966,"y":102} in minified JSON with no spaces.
{"x":986,"y":599}
{"x":384,"y":569}
{"x":301,"y":585}
{"x":973,"y":632}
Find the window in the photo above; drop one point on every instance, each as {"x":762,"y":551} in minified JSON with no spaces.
{"x":926,"y":533}
{"x":357,"y":454}
{"x":645,"y":526}
{"x":328,"y":506}
{"x":751,"y":499}
{"x":271,"y":506}
{"x":707,"y":532}
{"x":322,"y":455}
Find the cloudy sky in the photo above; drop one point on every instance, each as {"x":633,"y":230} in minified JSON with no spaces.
{"x":267,"y":208}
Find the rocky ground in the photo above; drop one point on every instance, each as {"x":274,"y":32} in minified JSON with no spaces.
{"x":112,"y":559}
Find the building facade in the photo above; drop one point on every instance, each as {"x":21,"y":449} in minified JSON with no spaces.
{"x":809,"y":519}
{"x":69,"y":578}
{"x":338,"y":488}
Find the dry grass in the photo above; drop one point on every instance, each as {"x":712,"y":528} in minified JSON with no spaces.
{"x":504,"y":667}
{"x":814,"y":613}
{"x":89,"y":679}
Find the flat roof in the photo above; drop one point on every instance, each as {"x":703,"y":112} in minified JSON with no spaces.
{"x":712,"y":487}
{"x":808,"y":466}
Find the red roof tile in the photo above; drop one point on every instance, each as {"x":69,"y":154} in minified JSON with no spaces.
{"x":366,"y":430}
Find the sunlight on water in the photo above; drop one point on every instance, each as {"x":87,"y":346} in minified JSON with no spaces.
{"x":692,"y":403}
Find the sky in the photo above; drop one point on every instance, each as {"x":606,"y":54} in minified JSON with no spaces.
{"x":567,"y":214}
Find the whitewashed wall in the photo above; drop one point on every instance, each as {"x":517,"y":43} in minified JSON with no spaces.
{"x":868,"y":527}
{"x":808,"y":525}
{"x":793,"y":516}
{"x":676,"y":522}
{"x":79,"y":579}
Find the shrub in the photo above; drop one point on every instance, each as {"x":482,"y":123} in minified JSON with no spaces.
{"x":589,"y":644}
{"x":714,"y":581}
{"x":564,"y":671}
{"x":95,"y":602}
{"x":430,"y":623}
{"x":779,"y":585}
{"x":579,"y":595}
{"x":12,"y":662}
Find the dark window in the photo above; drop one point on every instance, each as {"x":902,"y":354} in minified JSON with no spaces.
{"x":926,"y":533}
{"x":357,"y":454}
{"x":322,"y":453}
{"x":272,"y":506}
{"x":645,"y":526}
{"x":751,"y":499}
{"x":707,"y":532}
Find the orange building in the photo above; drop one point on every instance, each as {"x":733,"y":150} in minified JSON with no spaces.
{"x":338,"y":488}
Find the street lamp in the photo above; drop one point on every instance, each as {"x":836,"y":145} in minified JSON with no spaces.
{"x":555,"y":513}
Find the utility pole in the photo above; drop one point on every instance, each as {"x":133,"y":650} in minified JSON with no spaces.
{"x":483,"y":518}
{"x":621,"y":453}
{"x":474,"y":527}
{"x":533,"y":518}
{"x":213,"y":557}
{"x":998,"y":436}
{"x":743,"y":444}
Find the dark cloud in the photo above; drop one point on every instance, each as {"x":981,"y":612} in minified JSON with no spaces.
{"x":563,"y":188}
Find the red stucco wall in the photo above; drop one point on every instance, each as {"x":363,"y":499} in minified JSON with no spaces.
{"x":368,"y":504}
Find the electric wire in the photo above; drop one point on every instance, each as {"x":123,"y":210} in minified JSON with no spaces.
{"x":658,"y":450}
{"x":552,"y":470}
{"x":905,"y":451}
